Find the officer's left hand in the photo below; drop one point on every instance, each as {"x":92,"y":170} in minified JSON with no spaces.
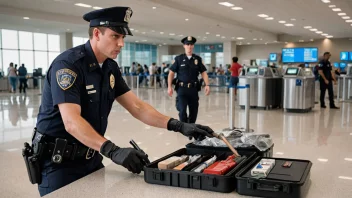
{"x":207,"y":90}
{"x":335,"y":82}
{"x":197,"y":131}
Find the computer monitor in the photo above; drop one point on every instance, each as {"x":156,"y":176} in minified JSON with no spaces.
{"x":252,"y":71}
{"x":344,"y":56}
{"x":273,"y":57}
{"x":337,"y":65}
{"x":292,"y":71}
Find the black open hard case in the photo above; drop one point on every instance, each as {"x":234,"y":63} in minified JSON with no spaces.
{"x":186,"y":179}
{"x":281,"y":182}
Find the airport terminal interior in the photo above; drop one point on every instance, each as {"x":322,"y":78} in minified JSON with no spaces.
{"x":280,"y":45}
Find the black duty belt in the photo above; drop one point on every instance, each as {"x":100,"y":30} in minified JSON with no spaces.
{"x":59,"y":149}
{"x":187,"y":85}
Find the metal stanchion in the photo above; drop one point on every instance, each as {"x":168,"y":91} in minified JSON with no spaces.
{"x":132,"y":81}
{"x":40,"y":85}
{"x":232,"y":109}
{"x":154,"y":81}
{"x":137,"y":82}
{"x":247,"y":107}
{"x":338,"y":90}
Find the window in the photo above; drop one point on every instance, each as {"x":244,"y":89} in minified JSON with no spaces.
{"x":26,"y":40}
{"x":78,"y":41}
{"x":40,"y":42}
{"x":54,"y":42}
{"x":52,"y":56}
{"x":9,"y":39}
{"x":206,"y":58}
{"x":8,"y":57}
{"x":41,"y":60}
{"x":27,"y":58}
{"x":219,"y":57}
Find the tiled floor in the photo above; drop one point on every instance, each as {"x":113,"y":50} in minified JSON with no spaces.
{"x":322,"y":136}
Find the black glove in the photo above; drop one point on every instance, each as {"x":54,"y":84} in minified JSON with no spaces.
{"x":129,"y":158}
{"x":196,"y":131}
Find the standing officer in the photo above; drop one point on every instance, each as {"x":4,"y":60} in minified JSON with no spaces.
{"x":326,"y":78}
{"x":22,"y":73}
{"x":79,"y":90}
{"x":188,"y":66}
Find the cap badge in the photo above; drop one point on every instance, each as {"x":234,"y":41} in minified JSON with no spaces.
{"x":189,"y":38}
{"x":112,"y":81}
{"x":196,"y":62}
{"x":128,"y":15}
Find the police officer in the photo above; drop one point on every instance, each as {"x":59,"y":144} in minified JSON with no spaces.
{"x":79,"y":90}
{"x":188,"y":66}
{"x":326,"y":78}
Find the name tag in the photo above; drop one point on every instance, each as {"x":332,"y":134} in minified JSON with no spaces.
{"x":91,"y":92}
{"x":183,"y":65}
{"x":89,"y":86}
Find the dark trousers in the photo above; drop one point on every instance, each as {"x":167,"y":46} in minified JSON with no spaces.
{"x":187,"y":97}
{"x":55,"y":176}
{"x":323,"y":87}
{"x":23,"y":84}
{"x":165,"y":78}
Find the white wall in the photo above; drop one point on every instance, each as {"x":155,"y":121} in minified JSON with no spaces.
{"x":334,"y":46}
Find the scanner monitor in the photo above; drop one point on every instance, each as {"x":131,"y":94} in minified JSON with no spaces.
{"x":344,"y":56}
{"x":252,"y":71}
{"x":273,"y":57}
{"x":292,"y":71}
{"x":337,"y":65}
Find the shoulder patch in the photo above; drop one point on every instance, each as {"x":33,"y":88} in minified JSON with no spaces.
{"x":65,"y":78}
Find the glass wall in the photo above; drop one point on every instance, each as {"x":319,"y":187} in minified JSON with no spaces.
{"x":34,"y":50}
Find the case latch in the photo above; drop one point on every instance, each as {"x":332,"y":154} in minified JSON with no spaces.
{"x":212,"y":181}
{"x":159,"y":176}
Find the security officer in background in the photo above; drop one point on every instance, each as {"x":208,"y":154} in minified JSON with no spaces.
{"x":326,"y":78}
{"x":79,"y":90}
{"x":188,"y":66}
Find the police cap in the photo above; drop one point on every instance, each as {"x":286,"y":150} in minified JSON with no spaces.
{"x":115,"y":18}
{"x":189,"y":40}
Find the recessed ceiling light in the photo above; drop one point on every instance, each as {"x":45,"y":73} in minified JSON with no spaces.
{"x":269,"y":18}
{"x":275,"y":41}
{"x":248,"y":43}
{"x":131,"y":29}
{"x":97,"y":8}
{"x":68,"y":29}
{"x":325,"y":1}
{"x":240,"y":38}
{"x":301,"y":41}
{"x":319,"y":32}
{"x":237,"y":8}
{"x":329,"y":36}
{"x":153,"y":30}
{"x":180,"y":35}
{"x":217,"y":35}
{"x":172,"y":34}
{"x":83,"y":5}
{"x":344,"y":177}
{"x":26,"y":18}
{"x":282,"y":21}
{"x":322,"y":160}
{"x":341,"y":14}
{"x":255,"y":39}
{"x":164,"y":43}
{"x":143,"y":32}
{"x":348,"y":159}
{"x":186,"y":19}
{"x":144,"y":40}
{"x":227,"y":4}
{"x":232,"y":37}
{"x":289,"y":25}
{"x":348,"y":21}
{"x":307,"y":27}
{"x":137,"y":41}
{"x":332,"y":6}
{"x":263,"y":15}
{"x":266,"y":43}
{"x":154,"y":8}
{"x":336,"y":9}
{"x":311,"y":39}
{"x":136,"y":30}
{"x":161,"y":32}
{"x":324,"y":34}
{"x":313,"y":30}
{"x":346,"y":17}
{"x":261,"y":39}
{"x":223,"y":37}
{"x":286,"y":42}
{"x":293,"y":19}
{"x":198,"y":36}
{"x":207,"y":33}
{"x":204,"y":37}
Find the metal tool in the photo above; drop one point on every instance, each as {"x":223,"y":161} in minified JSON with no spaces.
{"x":222,"y":137}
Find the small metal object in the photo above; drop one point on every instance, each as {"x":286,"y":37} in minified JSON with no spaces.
{"x":222,"y":137}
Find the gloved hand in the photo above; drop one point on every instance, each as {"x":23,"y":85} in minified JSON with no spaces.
{"x":196,"y":131}
{"x":129,"y":158}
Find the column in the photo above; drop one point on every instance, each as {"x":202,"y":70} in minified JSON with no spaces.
{"x":229,"y":51}
{"x":162,"y":50}
{"x":65,"y":41}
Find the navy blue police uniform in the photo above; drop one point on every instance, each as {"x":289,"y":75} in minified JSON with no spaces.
{"x":326,"y":67}
{"x":76,"y":77}
{"x":187,"y":87}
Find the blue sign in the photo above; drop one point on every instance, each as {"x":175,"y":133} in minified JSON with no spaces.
{"x":299,"y":55}
{"x":350,"y":56}
{"x":337,"y":65}
{"x":298,"y":82}
{"x":273,"y":57}
{"x":344,"y":56}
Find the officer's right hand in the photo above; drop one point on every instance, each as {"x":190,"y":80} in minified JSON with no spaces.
{"x":129,"y":158}
{"x":170,"y":91}
{"x":326,"y":82}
